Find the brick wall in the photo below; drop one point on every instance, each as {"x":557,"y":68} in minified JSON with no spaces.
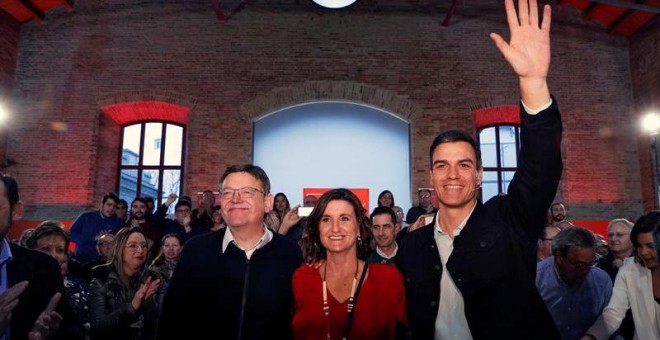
{"x":644,"y":56}
{"x":269,"y":56}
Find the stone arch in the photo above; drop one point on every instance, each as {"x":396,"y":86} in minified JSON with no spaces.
{"x":283,"y":97}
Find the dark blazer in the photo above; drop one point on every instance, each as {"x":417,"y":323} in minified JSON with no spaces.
{"x":493,"y":262}
{"x":43,"y":273}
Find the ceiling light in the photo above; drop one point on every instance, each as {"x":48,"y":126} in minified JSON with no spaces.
{"x":334,"y":3}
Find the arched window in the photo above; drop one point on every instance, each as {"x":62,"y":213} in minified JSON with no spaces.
{"x":151,"y":160}
{"x":499,"y":153}
{"x":498,"y":130}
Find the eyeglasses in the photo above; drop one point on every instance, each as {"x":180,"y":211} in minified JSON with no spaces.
{"x":581,"y":266}
{"x":383,"y":227}
{"x":105,"y":244}
{"x":243,"y":193}
{"x":137,"y":246}
{"x":610,"y":235}
{"x":182,"y":210}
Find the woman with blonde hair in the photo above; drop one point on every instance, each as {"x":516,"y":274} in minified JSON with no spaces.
{"x":163,"y":265}
{"x":122,"y":296}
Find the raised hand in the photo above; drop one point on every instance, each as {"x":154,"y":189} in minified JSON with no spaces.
{"x":289,"y":220}
{"x":9,"y":301}
{"x":170,"y":199}
{"x":528,"y":51}
{"x":48,"y":321}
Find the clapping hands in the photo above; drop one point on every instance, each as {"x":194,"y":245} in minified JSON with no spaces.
{"x":146,"y":290}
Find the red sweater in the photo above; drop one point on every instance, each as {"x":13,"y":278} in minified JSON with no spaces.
{"x":380,"y":304}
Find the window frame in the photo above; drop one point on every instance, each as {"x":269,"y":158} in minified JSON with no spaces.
{"x":161,"y":168}
{"x":499,"y":170}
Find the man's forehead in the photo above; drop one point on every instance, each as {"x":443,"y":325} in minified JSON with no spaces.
{"x":382,"y":219}
{"x":240,"y":179}
{"x":585,"y":254}
{"x":451,"y":151}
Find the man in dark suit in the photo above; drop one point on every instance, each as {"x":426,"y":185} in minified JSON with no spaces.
{"x":31,"y":285}
{"x":470,"y":273}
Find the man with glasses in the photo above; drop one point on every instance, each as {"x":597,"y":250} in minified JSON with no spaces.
{"x":122,"y":210}
{"x":425,"y":206}
{"x":234,"y":283}
{"x":384,"y":227}
{"x":573,"y":289}
{"x":544,"y":243}
{"x":103,"y":247}
{"x":620,"y":246}
{"x":183,"y":223}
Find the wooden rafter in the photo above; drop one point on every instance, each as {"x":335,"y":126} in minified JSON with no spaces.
{"x":614,"y":25}
{"x":589,"y":10}
{"x":30,"y":6}
{"x":637,"y":5}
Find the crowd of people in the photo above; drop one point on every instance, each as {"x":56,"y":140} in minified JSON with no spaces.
{"x":254,"y":267}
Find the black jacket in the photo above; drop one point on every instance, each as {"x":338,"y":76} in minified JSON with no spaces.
{"x":43,"y":273}
{"x":227,"y":296}
{"x":111,"y":314}
{"x":493,"y":263}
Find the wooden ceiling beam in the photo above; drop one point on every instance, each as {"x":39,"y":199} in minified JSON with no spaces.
{"x":611,"y":28}
{"x":30,"y":6}
{"x":589,"y":10}
{"x":636,"y":5}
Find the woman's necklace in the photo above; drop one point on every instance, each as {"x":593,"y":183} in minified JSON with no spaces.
{"x":326,"y":306}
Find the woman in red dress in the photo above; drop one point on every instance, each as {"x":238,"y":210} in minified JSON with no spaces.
{"x":336,"y":295}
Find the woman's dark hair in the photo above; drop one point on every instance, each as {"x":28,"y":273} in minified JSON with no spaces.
{"x":311,"y":245}
{"x":645,"y":224}
{"x":288,"y":206}
{"x":383,"y":194}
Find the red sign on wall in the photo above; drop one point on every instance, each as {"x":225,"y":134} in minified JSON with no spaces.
{"x":361,"y":193}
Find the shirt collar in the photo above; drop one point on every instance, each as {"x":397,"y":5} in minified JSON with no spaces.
{"x":229,"y":238}
{"x":5,"y":253}
{"x":383,"y":255}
